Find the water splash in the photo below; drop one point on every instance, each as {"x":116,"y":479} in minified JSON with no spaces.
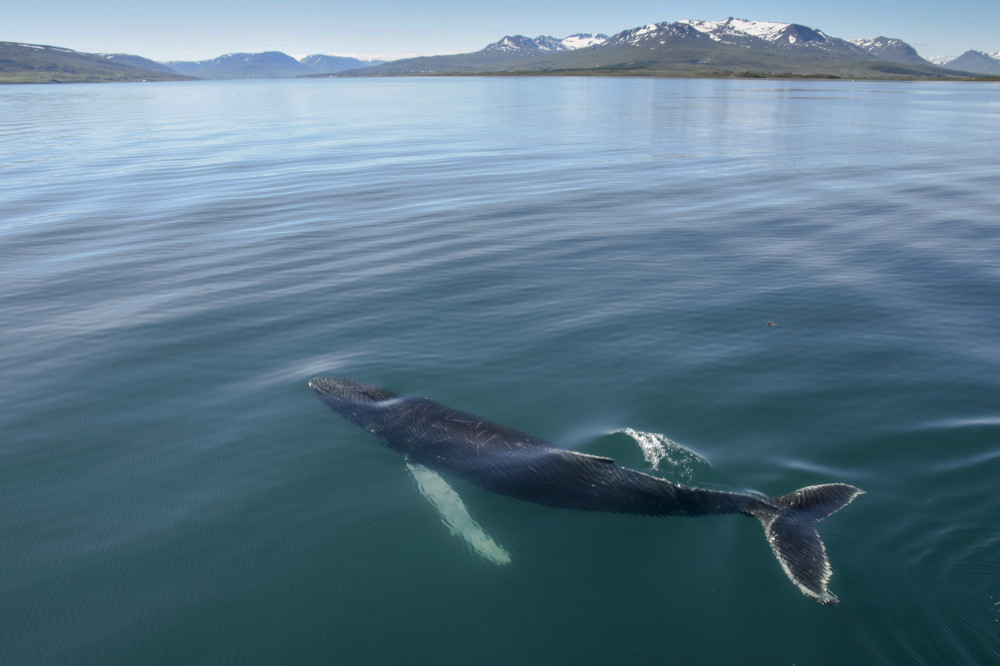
{"x":657,"y":448}
{"x":454,"y":514}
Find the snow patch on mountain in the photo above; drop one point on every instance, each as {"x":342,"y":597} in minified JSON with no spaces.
{"x":583,"y":40}
{"x":42,"y":47}
{"x":873,"y":43}
{"x":767,"y":30}
{"x":521,"y":45}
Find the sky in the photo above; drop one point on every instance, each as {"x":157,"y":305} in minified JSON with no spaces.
{"x":388,"y":29}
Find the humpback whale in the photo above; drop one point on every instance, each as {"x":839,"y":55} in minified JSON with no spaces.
{"x":431,"y":436}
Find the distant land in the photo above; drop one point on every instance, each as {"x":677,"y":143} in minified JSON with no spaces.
{"x":729,"y":48}
{"x":34,"y":63}
{"x":266,"y":65}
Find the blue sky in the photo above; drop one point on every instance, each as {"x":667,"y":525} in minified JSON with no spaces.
{"x":201,"y":29}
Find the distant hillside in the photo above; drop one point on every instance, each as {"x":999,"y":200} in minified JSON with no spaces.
{"x":136,"y":61}
{"x":327,"y":64}
{"x":35,"y":63}
{"x":734,"y":47}
{"x":976,"y":61}
{"x":266,"y":65}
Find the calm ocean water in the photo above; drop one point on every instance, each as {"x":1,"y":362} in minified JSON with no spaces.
{"x":569,"y":257}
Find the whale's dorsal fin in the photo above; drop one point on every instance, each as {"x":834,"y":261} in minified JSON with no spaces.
{"x":454,"y":514}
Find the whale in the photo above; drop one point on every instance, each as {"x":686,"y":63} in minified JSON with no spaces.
{"x":437,"y":441}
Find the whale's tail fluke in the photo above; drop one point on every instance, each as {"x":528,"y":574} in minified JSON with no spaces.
{"x":788,"y":525}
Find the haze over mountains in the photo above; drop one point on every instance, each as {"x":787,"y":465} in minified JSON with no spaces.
{"x":266,"y":65}
{"x":733,"y":47}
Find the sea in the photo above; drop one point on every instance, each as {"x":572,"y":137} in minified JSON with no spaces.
{"x":748,"y":285}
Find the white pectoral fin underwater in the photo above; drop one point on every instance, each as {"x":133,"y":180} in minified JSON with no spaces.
{"x":453,"y":513}
{"x":438,"y":441}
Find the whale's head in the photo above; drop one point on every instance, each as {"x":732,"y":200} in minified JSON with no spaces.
{"x":364,"y":404}
{"x":337,"y":391}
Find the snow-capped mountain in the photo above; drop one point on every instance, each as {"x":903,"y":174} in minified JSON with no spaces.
{"x":893,"y":50}
{"x":736,"y":32}
{"x":519,"y":45}
{"x":757,"y":36}
{"x":655,"y":33}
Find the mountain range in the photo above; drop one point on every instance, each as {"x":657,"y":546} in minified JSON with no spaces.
{"x":733,"y":47}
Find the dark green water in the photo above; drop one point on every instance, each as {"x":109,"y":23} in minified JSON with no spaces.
{"x":569,"y":257}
